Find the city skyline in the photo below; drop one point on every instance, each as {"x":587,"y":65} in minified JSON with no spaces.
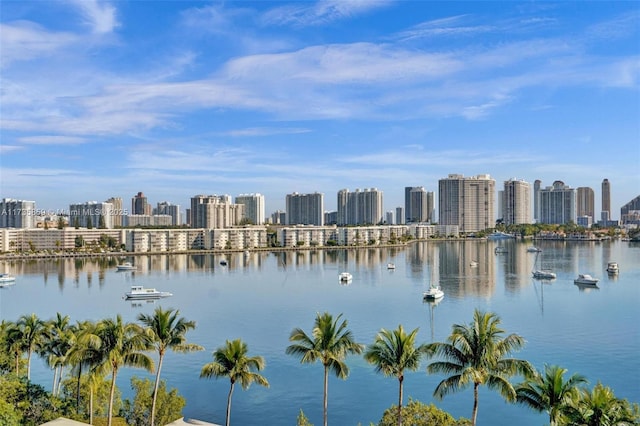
{"x":277,"y":97}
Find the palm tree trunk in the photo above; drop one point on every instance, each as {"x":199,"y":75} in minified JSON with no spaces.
{"x":78,"y":389}
{"x":53,"y":385}
{"x":17,"y":363}
{"x":229,"y":404}
{"x":60,"y":374}
{"x":326,"y":392}
{"x":29,"y":365}
{"x":111,"y":393}
{"x":155,"y":390}
{"x":475,"y":404}
{"x":91,"y":404}
{"x":400,"y":380}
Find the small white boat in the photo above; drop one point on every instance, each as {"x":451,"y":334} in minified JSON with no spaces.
{"x":7,"y":279}
{"x":126,"y":266}
{"x":391,"y":266}
{"x":345,"y":277}
{"x":434,"y":293}
{"x":542,"y":274}
{"x":534,"y":249}
{"x":139,"y":292}
{"x":499,"y":250}
{"x":612,"y":268}
{"x":473,"y":263}
{"x":586,"y":279}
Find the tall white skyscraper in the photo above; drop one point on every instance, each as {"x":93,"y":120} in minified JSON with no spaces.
{"x":557,"y":204}
{"x":91,"y":215}
{"x":173,"y":210}
{"x":537,"y":184}
{"x":253,"y":207}
{"x":305,"y":209}
{"x":17,"y":213}
{"x":606,"y":200}
{"x":467,"y":202}
{"x":421,"y":205}
{"x":516,"y":202}
{"x":360,"y":207}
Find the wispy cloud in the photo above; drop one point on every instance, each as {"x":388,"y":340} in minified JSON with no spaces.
{"x":22,"y":41}
{"x":100,"y":16}
{"x":52,"y":140}
{"x":320,"y":12}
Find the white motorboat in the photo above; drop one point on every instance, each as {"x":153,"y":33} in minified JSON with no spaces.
{"x":7,"y":279}
{"x":497,"y":235}
{"x":586,"y":279}
{"x":391,"y":266}
{"x":499,"y":250}
{"x":139,"y":292}
{"x":612,"y":268}
{"x":473,"y":263}
{"x":533,"y":249}
{"x":434,"y":293}
{"x":542,"y":274}
{"x":126,"y":266}
{"x":345,"y":277}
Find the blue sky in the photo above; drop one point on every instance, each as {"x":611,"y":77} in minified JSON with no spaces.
{"x":176,"y":98}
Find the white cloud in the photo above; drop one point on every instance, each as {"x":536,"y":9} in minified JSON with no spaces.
{"x":23,"y":41}
{"x":99,"y":16}
{"x":320,"y":12}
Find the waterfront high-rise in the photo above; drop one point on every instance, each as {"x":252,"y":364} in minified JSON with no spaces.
{"x":118,"y":213}
{"x":420,"y":205}
{"x":139,"y":205}
{"x":467,"y":202}
{"x":305,"y":209}
{"x":214,"y":212}
{"x":585,"y":204}
{"x":605,"y":215}
{"x":537,"y":184}
{"x":91,"y":215}
{"x":557,"y":204}
{"x":253,"y":207}
{"x":516,"y":202}
{"x":360,"y":207}
{"x":166,"y":208}
{"x":630,"y":212}
{"x":17,"y":213}
{"x":400,"y":219}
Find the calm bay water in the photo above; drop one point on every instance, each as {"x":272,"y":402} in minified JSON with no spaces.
{"x":261,"y":297}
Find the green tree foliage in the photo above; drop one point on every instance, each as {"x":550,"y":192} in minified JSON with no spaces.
{"x":302,"y":420}
{"x":393,"y":352}
{"x":31,"y":402}
{"x":98,"y":391}
{"x":549,"y":392}
{"x":8,"y":415}
{"x":169,"y":405}
{"x":600,"y":407}
{"x":416,"y":413}
{"x":330,"y":342}
{"x":477,"y":354}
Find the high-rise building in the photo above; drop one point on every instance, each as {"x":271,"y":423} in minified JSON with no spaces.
{"x":558,"y":204}
{"x":118,"y":213}
{"x":91,"y":215}
{"x":388,"y":218}
{"x":305,"y":209}
{"x":421,"y":205}
{"x":400,"y":219}
{"x":537,"y":184}
{"x":279,"y":217}
{"x":359,"y":207}
{"x":166,"y":208}
{"x":253,"y":207}
{"x":214,"y":212}
{"x":606,"y":200}
{"x":139,"y":205}
{"x":630,"y":212}
{"x":516,"y":202}
{"x":585,"y":202}
{"x":17,"y":213}
{"x":467,"y":202}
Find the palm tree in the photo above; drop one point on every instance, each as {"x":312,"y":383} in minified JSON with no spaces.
{"x":121,"y":344}
{"x":166,"y":331}
{"x":476,"y":354}
{"x":392,"y":353}
{"x":330,"y":342}
{"x":84,"y":352}
{"x":549,"y":391}
{"x":33,"y":331}
{"x":57,"y":344}
{"x":600,"y":407}
{"x":231,"y":361}
{"x":12,"y":342}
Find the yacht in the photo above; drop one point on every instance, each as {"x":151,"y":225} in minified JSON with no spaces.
{"x":497,"y":235}
{"x":533,"y":249}
{"x":586,"y":279}
{"x":6,"y":279}
{"x":345,"y":277}
{"x":499,"y":250}
{"x":139,"y":292}
{"x":542,"y":274}
{"x":473,"y":263}
{"x":612,"y":268}
{"x":391,"y":266}
{"x":434,"y":293}
{"x":126,"y":266}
